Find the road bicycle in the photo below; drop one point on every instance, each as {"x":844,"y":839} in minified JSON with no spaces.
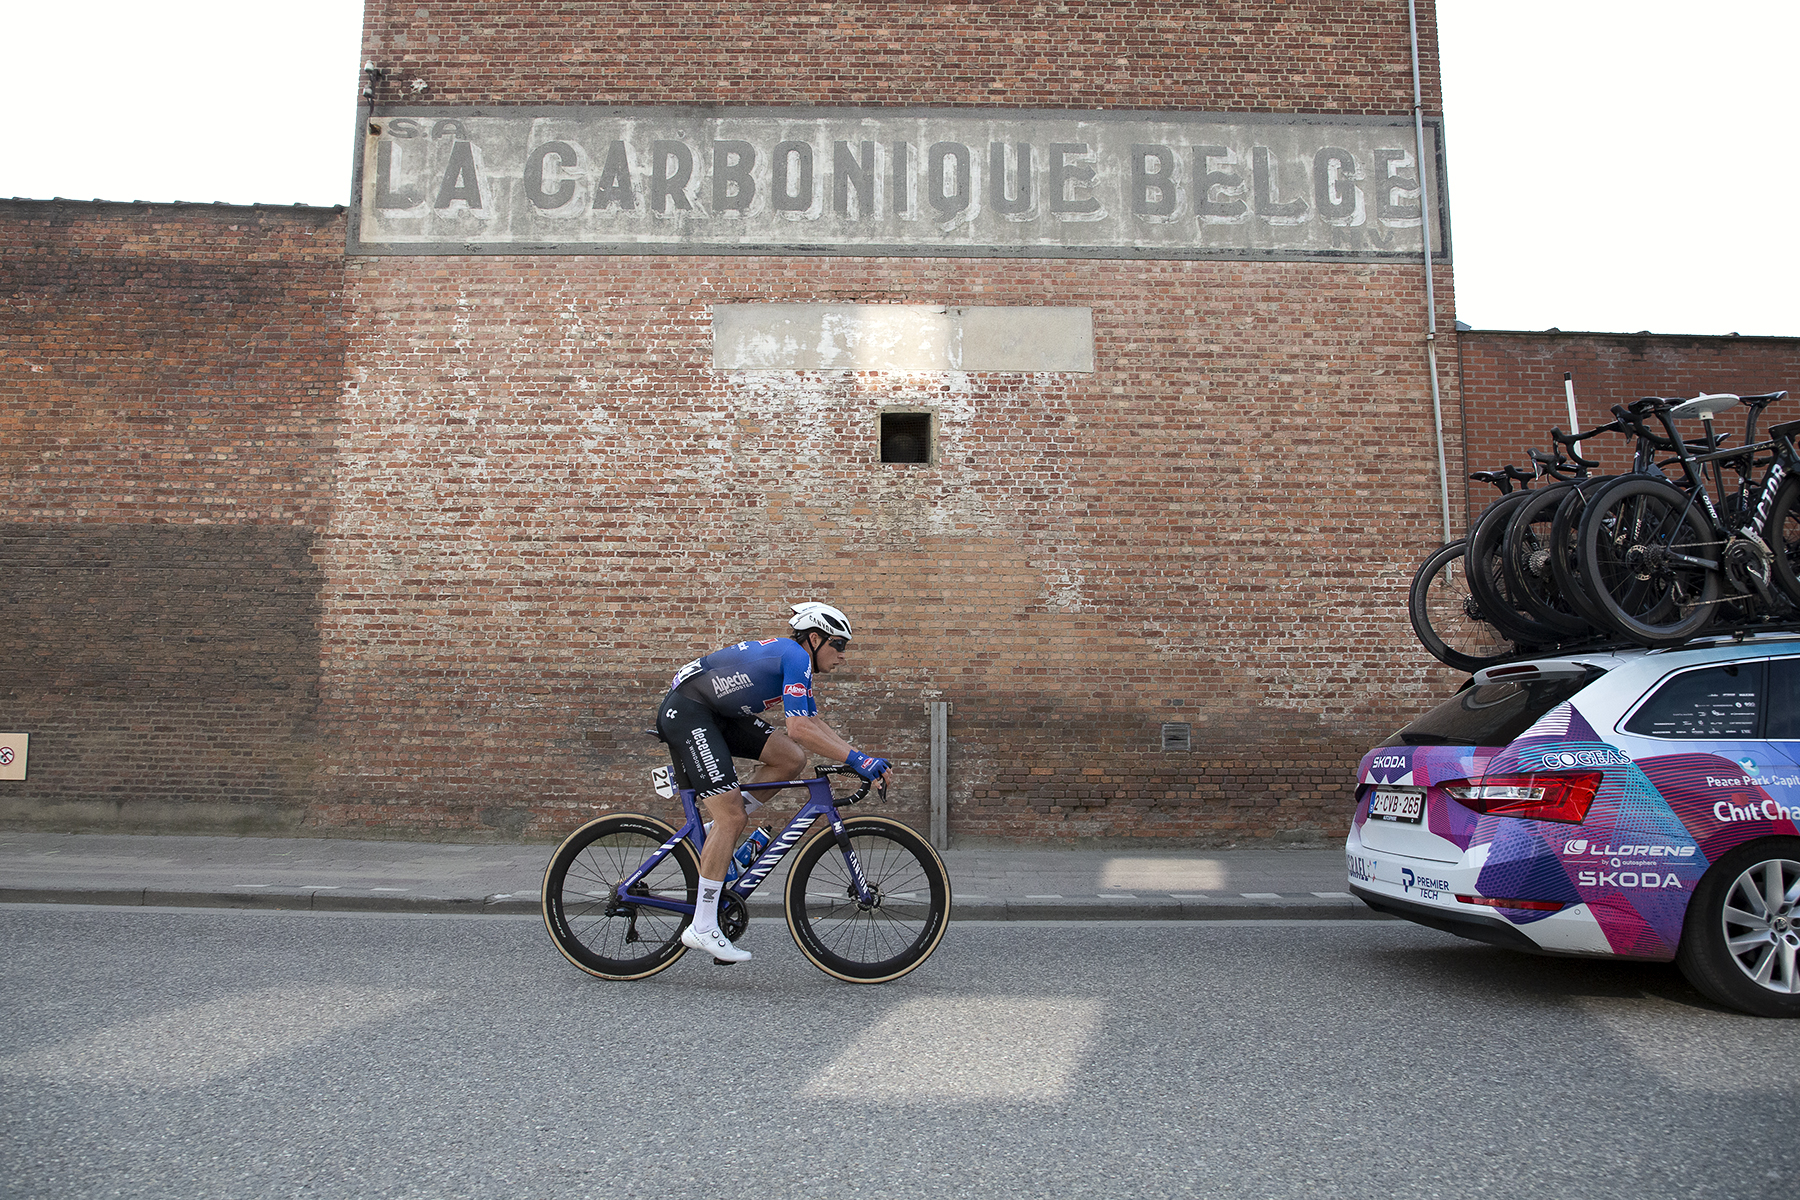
{"x":1530,"y":549}
{"x":1662,"y":555}
{"x":867,"y":899}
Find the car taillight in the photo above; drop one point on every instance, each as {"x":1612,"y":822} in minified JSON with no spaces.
{"x":1541,"y":796}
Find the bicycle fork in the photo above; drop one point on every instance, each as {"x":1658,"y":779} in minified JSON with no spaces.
{"x":866,"y":896}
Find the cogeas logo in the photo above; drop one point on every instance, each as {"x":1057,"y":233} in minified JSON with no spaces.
{"x":1605,"y":757}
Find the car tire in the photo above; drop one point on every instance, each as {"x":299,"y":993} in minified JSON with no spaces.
{"x":1740,"y":940}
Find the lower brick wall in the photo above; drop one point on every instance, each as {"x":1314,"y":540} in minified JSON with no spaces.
{"x":410,"y":548}
{"x":168,"y":675}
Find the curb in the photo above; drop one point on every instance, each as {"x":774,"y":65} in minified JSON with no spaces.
{"x":983,"y":909}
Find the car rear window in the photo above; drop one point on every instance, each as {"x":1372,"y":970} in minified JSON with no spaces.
{"x":1491,"y":714}
{"x":1711,"y":702}
{"x":1784,"y":700}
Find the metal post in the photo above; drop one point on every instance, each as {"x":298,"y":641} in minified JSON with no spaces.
{"x":940,"y":774}
{"x":1437,"y":403}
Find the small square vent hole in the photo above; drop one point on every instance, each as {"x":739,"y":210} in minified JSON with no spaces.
{"x":906,"y":437}
{"x":1177,"y":735}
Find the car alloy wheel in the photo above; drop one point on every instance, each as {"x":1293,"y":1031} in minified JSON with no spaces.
{"x":1762,"y":926}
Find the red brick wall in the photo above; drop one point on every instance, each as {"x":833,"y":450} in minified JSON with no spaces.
{"x":1345,"y":56}
{"x":536,"y":529}
{"x":551,"y":500}
{"x":169,"y":384}
{"x":1513,"y":386}
{"x":532,"y":497}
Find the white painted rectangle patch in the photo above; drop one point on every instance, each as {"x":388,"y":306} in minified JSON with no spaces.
{"x":901,"y":337}
{"x":951,"y":1049}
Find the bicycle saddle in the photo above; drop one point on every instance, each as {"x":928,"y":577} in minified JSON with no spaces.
{"x":1705,"y":407}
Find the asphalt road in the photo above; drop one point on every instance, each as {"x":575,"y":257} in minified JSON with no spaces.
{"x":213,"y":1053}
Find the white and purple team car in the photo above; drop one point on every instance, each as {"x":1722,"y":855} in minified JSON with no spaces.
{"x":1639,"y":803}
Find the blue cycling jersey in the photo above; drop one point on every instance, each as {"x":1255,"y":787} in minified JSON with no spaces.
{"x":750,"y":677}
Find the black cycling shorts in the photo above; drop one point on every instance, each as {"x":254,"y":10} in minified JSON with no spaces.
{"x":703,"y":741}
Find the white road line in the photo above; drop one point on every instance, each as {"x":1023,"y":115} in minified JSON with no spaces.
{"x":1260,"y":895}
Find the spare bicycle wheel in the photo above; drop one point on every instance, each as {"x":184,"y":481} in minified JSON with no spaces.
{"x":1527,"y":556}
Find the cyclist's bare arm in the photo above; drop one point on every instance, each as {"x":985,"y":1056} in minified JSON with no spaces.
{"x":814,"y":734}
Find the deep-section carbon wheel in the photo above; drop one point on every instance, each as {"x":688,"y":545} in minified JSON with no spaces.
{"x":881,"y":940}
{"x":597,"y":930}
{"x":1783,"y":536}
{"x":1565,"y":554}
{"x":1740,"y":942}
{"x":1527,"y":560}
{"x":1642,"y":546}
{"x":1447,"y":617}
{"x":1486,"y":566}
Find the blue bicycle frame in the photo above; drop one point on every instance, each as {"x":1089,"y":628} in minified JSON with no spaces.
{"x":819,"y":803}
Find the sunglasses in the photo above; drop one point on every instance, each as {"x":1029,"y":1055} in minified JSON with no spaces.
{"x":840,"y":644}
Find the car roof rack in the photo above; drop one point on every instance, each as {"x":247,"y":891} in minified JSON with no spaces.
{"x":1715,"y":635}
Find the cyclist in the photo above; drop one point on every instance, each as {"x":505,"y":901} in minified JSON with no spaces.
{"x":710,"y":716}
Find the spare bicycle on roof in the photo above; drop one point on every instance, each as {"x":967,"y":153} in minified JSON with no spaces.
{"x":1698,"y":534}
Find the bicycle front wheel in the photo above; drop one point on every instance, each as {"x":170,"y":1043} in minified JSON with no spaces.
{"x":893,"y":933}
{"x":596,"y":929}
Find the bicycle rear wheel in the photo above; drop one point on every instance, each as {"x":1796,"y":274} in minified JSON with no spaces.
{"x":1487,"y":574}
{"x":595,"y":929}
{"x":1446,"y":616}
{"x":1634,"y":536}
{"x":1565,"y":554}
{"x":1526,"y":557}
{"x":883,"y":940}
{"x":1783,"y":535}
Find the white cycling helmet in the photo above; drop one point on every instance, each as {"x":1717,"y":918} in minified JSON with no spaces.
{"x":823,"y":617}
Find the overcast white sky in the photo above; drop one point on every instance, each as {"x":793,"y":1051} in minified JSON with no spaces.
{"x":1614,"y":165}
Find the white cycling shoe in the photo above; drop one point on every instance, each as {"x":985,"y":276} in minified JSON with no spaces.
{"x":714,"y":943}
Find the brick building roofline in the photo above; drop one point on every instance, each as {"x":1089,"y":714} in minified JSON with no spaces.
{"x":1641,"y":333}
{"x":214,"y":204}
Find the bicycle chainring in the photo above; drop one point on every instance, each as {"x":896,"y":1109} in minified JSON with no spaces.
{"x":734,"y":917}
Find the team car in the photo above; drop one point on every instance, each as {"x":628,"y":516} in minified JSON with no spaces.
{"x":1636,"y":803}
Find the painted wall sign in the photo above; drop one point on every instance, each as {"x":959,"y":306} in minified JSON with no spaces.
{"x":883,"y":181}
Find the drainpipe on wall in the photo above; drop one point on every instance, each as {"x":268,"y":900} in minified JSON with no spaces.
{"x":1437,"y":403}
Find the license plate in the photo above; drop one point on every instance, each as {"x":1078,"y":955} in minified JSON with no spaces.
{"x":1397,"y":804}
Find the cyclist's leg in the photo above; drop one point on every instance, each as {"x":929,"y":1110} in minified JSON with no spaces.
{"x":779,"y":757}
{"x":703,"y":754}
